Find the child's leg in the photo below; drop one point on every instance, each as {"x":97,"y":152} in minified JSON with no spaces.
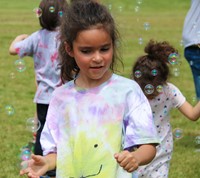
{"x":41,"y":115}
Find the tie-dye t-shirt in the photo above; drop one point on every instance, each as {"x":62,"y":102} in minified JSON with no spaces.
{"x":43,"y":46}
{"x":170,"y":98}
{"x":86,"y":127}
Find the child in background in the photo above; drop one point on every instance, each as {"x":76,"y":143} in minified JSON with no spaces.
{"x":43,"y":45}
{"x":95,"y":120}
{"x":151,"y":72}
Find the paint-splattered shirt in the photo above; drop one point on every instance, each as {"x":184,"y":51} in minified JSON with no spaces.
{"x":170,"y":98}
{"x":43,"y":46}
{"x":85,"y":127}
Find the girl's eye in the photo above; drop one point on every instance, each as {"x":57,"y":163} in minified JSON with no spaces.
{"x":85,"y":51}
{"x":105,"y":49}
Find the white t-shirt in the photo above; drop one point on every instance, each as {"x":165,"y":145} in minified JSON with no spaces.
{"x":170,"y":98}
{"x":86,"y":127}
{"x":43,"y":47}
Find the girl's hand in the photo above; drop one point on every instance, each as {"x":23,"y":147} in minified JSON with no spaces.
{"x":127,"y":160}
{"x":35,"y":167}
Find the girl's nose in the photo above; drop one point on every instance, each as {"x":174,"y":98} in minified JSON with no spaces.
{"x":97,"y":57}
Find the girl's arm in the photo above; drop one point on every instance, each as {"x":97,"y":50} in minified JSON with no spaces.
{"x":130,"y":161}
{"x":12,"y":50}
{"x":38,"y":165}
{"x":191,"y":112}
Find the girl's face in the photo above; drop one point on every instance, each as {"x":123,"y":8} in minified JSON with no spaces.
{"x":93,"y":52}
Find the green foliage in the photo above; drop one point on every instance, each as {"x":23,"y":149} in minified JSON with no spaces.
{"x":166,"y":21}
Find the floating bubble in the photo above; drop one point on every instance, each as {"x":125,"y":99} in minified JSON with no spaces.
{"x":9,"y":110}
{"x":177,"y":133}
{"x":109,"y":6}
{"x":38,"y":12}
{"x":140,"y":41}
{"x":176,"y":71}
{"x":194,"y":99}
{"x":20,"y":65}
{"x":154,"y":72}
{"x":149,"y":89}
{"x":137,"y":9}
{"x":120,"y":8}
{"x":33,"y":124}
{"x":60,"y":13}
{"x":191,"y":63}
{"x":181,"y":43}
{"x":24,"y":165}
{"x":25,"y":154}
{"x":146,"y":26}
{"x":51,"y":9}
{"x":173,"y":58}
{"x":118,"y":44}
{"x":197,"y":140}
{"x":138,"y":73}
{"x":12,"y":75}
{"x":159,"y":88}
{"x":139,"y":2}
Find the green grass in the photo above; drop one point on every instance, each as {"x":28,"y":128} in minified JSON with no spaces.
{"x":166,"y":21}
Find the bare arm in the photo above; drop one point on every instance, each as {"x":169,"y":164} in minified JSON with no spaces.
{"x":39,"y":165}
{"x":130,"y":161}
{"x":145,"y":154}
{"x":51,"y":160}
{"x":17,"y":39}
{"x":191,"y":112}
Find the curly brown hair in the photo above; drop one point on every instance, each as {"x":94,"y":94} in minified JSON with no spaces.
{"x":152,"y":69}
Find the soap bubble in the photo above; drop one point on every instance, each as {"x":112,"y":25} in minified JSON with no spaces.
{"x":177,"y":133}
{"x":51,"y":9}
{"x":154,"y":72}
{"x":197,"y":142}
{"x":38,"y":12}
{"x":149,"y":89}
{"x":9,"y":110}
{"x":159,"y":88}
{"x":140,"y":41}
{"x":60,"y":13}
{"x":137,"y":9}
{"x":25,"y":154}
{"x":173,"y":58}
{"x":33,"y":124}
{"x":139,"y":2}
{"x":20,"y":65}
{"x":12,"y":75}
{"x":176,"y":71}
{"x":138,"y":73}
{"x":146,"y":26}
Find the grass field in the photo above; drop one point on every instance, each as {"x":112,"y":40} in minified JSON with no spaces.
{"x":18,"y":88}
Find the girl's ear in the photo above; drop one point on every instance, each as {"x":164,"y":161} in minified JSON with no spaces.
{"x":68,"y":49}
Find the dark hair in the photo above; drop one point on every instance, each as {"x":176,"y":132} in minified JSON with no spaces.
{"x":152,"y":69}
{"x":82,"y":15}
{"x":51,"y":13}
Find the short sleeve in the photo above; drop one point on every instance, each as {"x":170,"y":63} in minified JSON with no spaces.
{"x":139,"y":127}
{"x":175,"y":95}
{"x":27,"y":46}
{"x":50,"y":132}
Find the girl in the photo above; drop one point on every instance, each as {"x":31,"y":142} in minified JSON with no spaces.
{"x":92,"y":114}
{"x":42,"y":45}
{"x":151,"y":72}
